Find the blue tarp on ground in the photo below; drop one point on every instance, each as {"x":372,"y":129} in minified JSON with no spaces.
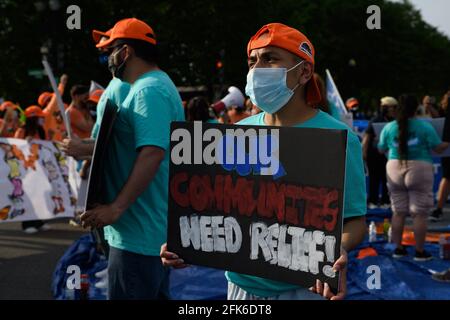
{"x":400,"y":279}
{"x":81,"y":253}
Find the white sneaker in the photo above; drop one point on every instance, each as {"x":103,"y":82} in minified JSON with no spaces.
{"x":385,"y":206}
{"x":31,"y":230}
{"x":45,"y":227}
{"x":372,"y":206}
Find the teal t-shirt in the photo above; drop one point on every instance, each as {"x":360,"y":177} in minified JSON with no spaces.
{"x":143,"y":120}
{"x":422,"y":138}
{"x":116,"y":91}
{"x":354,"y":197}
{"x":212,"y":121}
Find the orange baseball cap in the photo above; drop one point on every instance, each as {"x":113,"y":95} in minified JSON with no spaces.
{"x":130,"y":28}
{"x":352,"y":103}
{"x":292,"y":40}
{"x":44,"y":98}
{"x":34,"y":111}
{"x":97,"y":35}
{"x":95,"y":95}
{"x":7,"y":104}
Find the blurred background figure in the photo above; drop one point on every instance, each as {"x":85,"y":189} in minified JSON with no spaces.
{"x":94,"y":98}
{"x":33,"y":129}
{"x":410,"y":172}
{"x":235,"y":114}
{"x":376,"y":162}
{"x":444,"y":188}
{"x":250,"y":108}
{"x":79,"y":114}
{"x":9,"y":119}
{"x":198,"y":109}
{"x":54,"y":123}
{"x":352,"y":105}
{"x":428,"y":108}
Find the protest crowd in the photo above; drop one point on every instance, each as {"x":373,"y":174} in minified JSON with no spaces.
{"x":282,"y":90}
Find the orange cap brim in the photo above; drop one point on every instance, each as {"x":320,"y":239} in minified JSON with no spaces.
{"x":97,"y":35}
{"x":94,"y":99}
{"x":105,"y":43}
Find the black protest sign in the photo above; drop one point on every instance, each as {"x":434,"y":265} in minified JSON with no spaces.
{"x":259,"y":200}
{"x":95,"y":187}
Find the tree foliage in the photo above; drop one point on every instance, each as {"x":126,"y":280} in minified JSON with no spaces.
{"x":406,"y":55}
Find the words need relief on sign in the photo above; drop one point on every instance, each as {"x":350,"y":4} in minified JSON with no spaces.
{"x":264,"y":201}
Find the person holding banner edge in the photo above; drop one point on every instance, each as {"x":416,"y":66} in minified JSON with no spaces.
{"x":281,"y":83}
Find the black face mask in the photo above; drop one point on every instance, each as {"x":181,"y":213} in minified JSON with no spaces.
{"x":116,"y":70}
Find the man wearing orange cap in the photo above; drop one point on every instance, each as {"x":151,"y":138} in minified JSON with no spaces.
{"x":281,"y":83}
{"x":136,"y":186}
{"x":116,"y":91}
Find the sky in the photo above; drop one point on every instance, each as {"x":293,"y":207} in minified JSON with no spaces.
{"x":434,"y":12}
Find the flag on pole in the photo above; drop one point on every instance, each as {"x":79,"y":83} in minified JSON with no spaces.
{"x":335,"y":102}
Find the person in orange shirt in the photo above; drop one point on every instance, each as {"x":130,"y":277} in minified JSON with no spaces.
{"x":54,"y":122}
{"x":10,"y":121}
{"x":33,"y":129}
{"x":81,"y":120}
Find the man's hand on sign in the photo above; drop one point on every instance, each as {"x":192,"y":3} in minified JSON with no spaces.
{"x":170,"y":259}
{"x":324,"y":289}
{"x":100,"y":216}
{"x":84,"y":172}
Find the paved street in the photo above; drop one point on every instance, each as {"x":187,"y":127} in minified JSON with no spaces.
{"x":27,"y":262}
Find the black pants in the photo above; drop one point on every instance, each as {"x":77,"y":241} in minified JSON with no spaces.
{"x":133,"y":276}
{"x":377,"y":175}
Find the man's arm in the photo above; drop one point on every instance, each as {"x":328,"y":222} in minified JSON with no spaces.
{"x":52,"y":106}
{"x":365,"y":145}
{"x":78,"y":148}
{"x":145,"y":167}
{"x":354,"y":232}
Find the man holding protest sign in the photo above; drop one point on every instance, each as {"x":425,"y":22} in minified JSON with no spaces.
{"x":281,"y":83}
{"x":136,"y":184}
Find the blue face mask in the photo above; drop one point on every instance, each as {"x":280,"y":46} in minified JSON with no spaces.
{"x":267,"y":88}
{"x":103,"y":59}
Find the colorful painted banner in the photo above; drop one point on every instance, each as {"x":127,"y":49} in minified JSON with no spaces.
{"x":37,"y":181}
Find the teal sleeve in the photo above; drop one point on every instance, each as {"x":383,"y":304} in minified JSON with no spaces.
{"x":382,"y":143}
{"x":95,"y":129}
{"x":151,"y":117}
{"x":98,"y":121}
{"x":355,"y":179}
{"x":431,"y":136}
